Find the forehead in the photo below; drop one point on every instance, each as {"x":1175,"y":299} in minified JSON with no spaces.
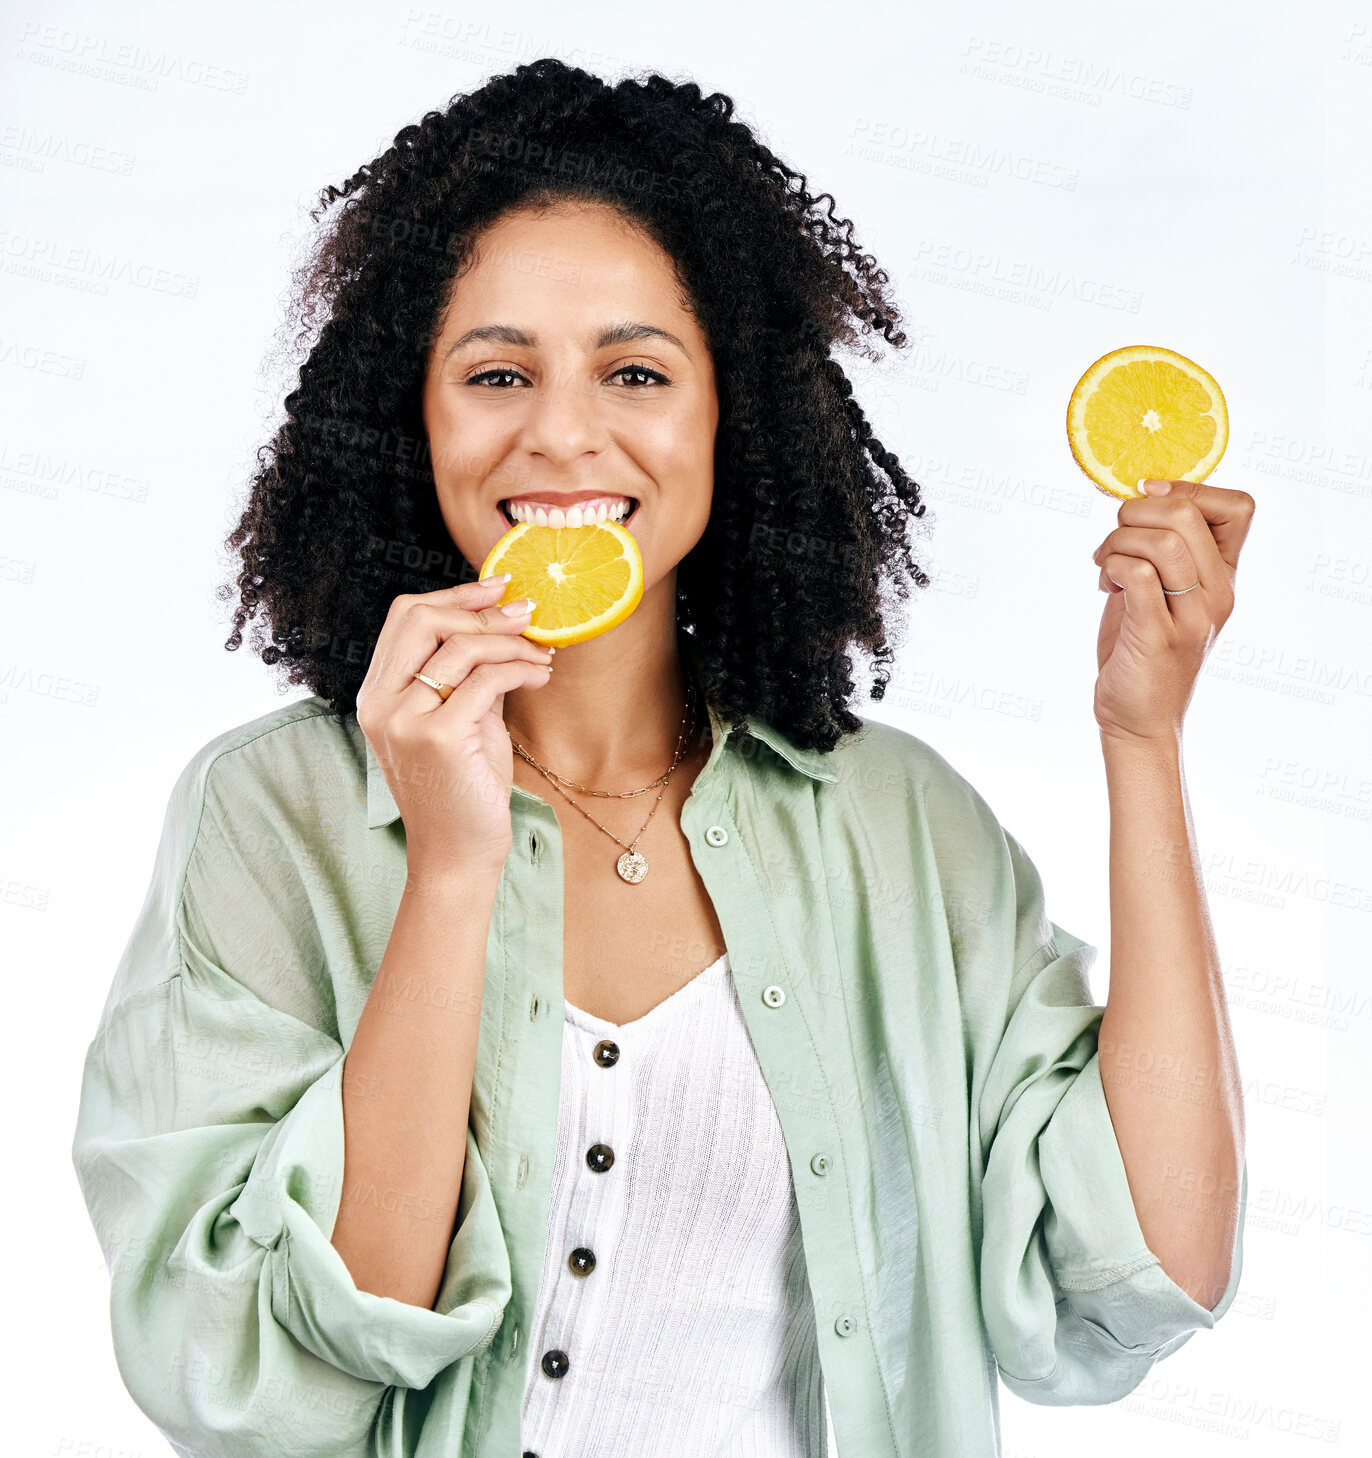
{"x":576,"y":258}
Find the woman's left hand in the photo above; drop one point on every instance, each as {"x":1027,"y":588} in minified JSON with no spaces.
{"x":1151,"y":646}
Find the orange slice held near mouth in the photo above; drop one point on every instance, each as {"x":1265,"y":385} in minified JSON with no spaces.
{"x":584,"y":580}
{"x":1144,"y":413}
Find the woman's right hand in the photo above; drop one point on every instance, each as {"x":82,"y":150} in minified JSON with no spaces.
{"x":449,"y":763}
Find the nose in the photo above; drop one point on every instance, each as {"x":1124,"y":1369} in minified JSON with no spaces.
{"x":563,"y":419}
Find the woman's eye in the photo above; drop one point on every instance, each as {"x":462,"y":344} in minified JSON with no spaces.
{"x":650,"y":377}
{"x":639,"y":376}
{"x":494,"y":374}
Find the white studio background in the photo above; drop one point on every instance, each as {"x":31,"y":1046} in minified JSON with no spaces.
{"x":1043,"y":186}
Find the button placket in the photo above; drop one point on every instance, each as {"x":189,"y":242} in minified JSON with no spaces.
{"x":581,"y":1261}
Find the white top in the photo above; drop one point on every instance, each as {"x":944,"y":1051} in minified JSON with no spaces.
{"x":694,"y":1333}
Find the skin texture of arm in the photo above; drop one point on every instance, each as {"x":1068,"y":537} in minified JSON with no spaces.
{"x":410,"y":1056}
{"x":1167,"y":1058}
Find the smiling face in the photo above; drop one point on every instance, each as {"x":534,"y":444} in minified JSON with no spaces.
{"x":567,"y":370}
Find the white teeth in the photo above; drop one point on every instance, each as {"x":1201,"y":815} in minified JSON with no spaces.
{"x":573,"y":517}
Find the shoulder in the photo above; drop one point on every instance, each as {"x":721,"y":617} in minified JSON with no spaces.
{"x":268,"y":819}
{"x":268,"y":744}
{"x":270,"y":763}
{"x":881,"y":767}
{"x":906,"y":805}
{"x":236,"y":843}
{"x":908,"y":813}
{"x":252,"y":791}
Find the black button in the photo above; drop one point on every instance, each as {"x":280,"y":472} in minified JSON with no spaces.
{"x":527,"y":1454}
{"x":555,"y":1363}
{"x":606,"y":1053}
{"x":581,"y":1262}
{"x":599,"y":1157}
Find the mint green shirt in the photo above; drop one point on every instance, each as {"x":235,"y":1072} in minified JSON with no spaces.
{"x":926,"y":1032}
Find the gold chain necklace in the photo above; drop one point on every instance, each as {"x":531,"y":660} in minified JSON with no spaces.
{"x":633,"y":864}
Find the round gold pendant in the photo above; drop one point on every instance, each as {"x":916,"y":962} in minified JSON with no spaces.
{"x":632,"y":866}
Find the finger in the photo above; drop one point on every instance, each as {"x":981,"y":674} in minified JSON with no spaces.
{"x":418,"y":626}
{"x":1223,"y":515}
{"x":381,"y":671}
{"x":1169,"y":551}
{"x":1144,"y":599}
{"x":1182,"y":519}
{"x":485,"y":687}
{"x":462,"y":652}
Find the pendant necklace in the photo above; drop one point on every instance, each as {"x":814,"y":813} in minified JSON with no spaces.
{"x":633,"y":864}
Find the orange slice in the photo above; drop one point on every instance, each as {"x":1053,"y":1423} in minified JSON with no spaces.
{"x":1144,"y":413}
{"x":583,"y":580}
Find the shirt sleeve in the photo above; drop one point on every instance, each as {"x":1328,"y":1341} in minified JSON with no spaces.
{"x":209,"y":1151}
{"x":1076,"y":1306}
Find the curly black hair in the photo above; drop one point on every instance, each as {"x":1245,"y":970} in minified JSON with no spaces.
{"x":808,"y":505}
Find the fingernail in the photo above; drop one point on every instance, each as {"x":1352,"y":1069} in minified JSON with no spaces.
{"x":519,"y":608}
{"x":1155,"y":488}
{"x":491,"y":581}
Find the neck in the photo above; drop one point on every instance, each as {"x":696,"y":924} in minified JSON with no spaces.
{"x":611,"y":714}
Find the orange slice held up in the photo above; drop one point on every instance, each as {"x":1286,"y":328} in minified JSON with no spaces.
{"x":1144,"y":413}
{"x":584,"y":580}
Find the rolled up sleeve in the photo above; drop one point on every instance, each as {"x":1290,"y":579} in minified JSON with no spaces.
{"x":290,"y":1212}
{"x":1077,"y":1308}
{"x":209,"y":1150}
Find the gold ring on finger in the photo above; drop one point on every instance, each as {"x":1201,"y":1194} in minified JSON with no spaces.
{"x":444,"y":689}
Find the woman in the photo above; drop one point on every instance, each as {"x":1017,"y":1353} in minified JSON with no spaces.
{"x":645,"y":1054}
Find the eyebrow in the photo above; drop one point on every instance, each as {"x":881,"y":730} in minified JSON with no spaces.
{"x":623,"y":333}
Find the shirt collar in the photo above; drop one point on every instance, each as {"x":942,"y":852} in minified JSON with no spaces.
{"x":382,"y":809}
